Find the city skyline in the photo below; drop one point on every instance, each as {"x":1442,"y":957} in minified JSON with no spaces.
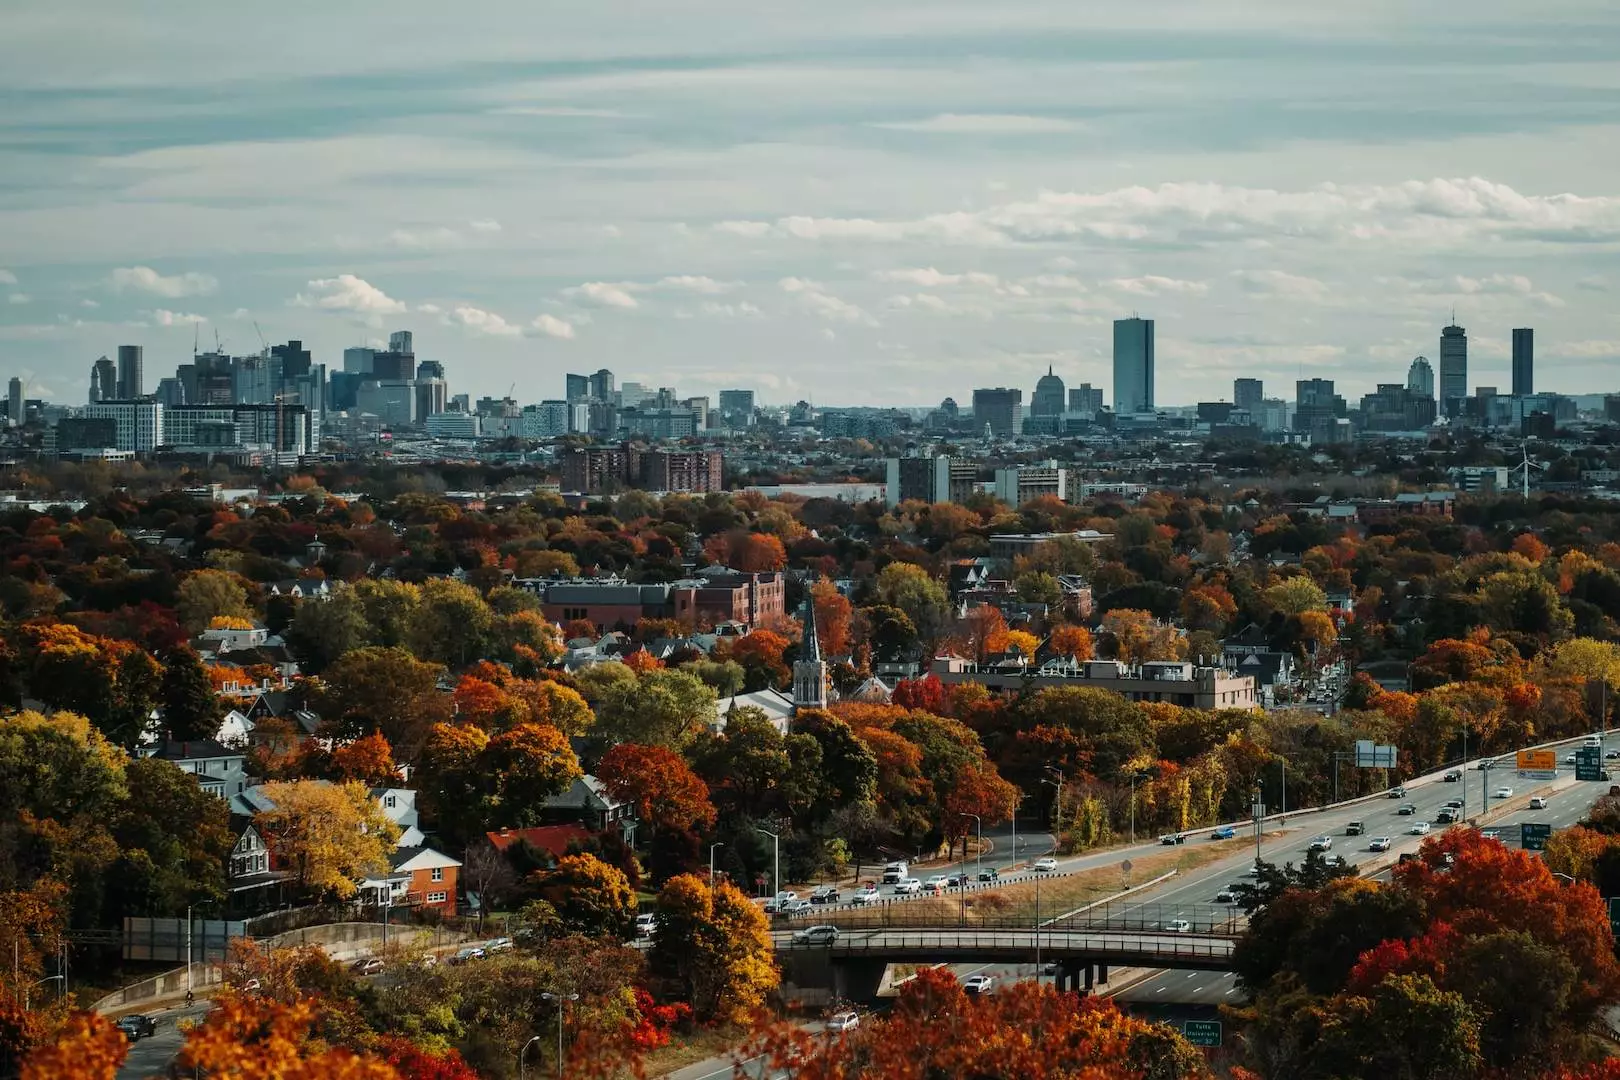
{"x":835,"y":207}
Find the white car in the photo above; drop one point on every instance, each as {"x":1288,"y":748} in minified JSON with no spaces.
{"x":1503,"y":793}
{"x":1046,"y":865}
{"x":907,"y":887}
{"x":1380,"y":843}
{"x":1538,"y":802}
{"x":1178,"y":926}
{"x":646,"y":923}
{"x":797,"y":907}
{"x":978,"y":984}
{"x":938,"y":881}
{"x":1419,"y":828}
{"x":842,"y":1022}
{"x":1322,"y":843}
{"x":816,"y":935}
{"x":1226,"y":895}
{"x":867,"y":895}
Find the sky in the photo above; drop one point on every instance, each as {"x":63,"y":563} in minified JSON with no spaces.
{"x":848,"y":202}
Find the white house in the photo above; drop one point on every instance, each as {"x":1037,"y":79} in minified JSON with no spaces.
{"x":219,"y":769}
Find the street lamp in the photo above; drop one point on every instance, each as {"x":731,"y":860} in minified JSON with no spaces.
{"x":200,"y":904}
{"x":1259,"y":813}
{"x":1566,"y":877}
{"x":562,"y":1001}
{"x":525,"y":1050}
{"x":1057,"y":800}
{"x":716,"y":844}
{"x":776,"y":845}
{"x":978,"y":859}
{"x":1135,"y":776}
{"x":1020,"y":801}
{"x":27,"y":994}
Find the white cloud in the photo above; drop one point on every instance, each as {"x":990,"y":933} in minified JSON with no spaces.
{"x":552,"y":327}
{"x":982,"y":124}
{"x":1490,"y":285}
{"x":20,"y":298}
{"x":812,"y":296}
{"x":1154,"y":285}
{"x":742,"y":310}
{"x":484,"y":225}
{"x":482,"y":322}
{"x":147,"y":280}
{"x":744,"y":228}
{"x":88,"y":303}
{"x":176,"y":318}
{"x":349,"y":293}
{"x":930,"y":278}
{"x":697,"y":283}
{"x":1281,"y":284}
{"x":429,"y":309}
{"x":7,"y":277}
{"x":603,"y":294}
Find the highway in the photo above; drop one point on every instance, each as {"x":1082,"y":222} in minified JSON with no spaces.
{"x":152,"y":1056}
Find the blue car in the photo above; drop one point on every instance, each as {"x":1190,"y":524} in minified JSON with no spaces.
{"x":1225,"y":832}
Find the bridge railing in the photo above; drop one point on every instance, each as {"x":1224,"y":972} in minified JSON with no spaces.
{"x":1123,"y":915}
{"x":1161,"y":946}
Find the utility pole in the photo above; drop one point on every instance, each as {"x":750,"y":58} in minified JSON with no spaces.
{"x":776,"y":846}
{"x":716,"y":844}
{"x":1259,"y":814}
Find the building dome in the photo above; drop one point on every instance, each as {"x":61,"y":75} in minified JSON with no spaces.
{"x":1050,"y":398}
{"x":948,"y":407}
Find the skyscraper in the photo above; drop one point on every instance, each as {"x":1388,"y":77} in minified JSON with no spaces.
{"x":14,"y":401}
{"x":579,"y":388}
{"x":1453,"y":369}
{"x":295,"y":360}
{"x":998,"y":409}
{"x":1420,"y":377}
{"x":358,"y":360}
{"x":1247,"y":394}
{"x":736,"y":408}
{"x":1524,"y":362}
{"x":1086,"y":398}
{"x":1049,"y":397}
{"x":103,"y":381}
{"x":602,"y":385}
{"x":402,"y":341}
{"x":131,"y":381}
{"x":1133,"y":365}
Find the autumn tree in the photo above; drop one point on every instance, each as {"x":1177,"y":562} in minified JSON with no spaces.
{"x":760,"y":654}
{"x":588,"y":897}
{"x":368,"y":760}
{"x":258,"y":1038}
{"x":664,"y":790}
{"x":715,"y":945}
{"x":1137,"y":636}
{"x":452,"y":625}
{"x":523,"y":768}
{"x":1073,"y":642}
{"x":386,"y":690}
{"x":206,"y":595}
{"x":86,"y":1047}
{"x":660,"y":708}
{"x":191,"y":709}
{"x":911,"y":589}
{"x":1295,"y":596}
{"x":329,"y":835}
{"x":834,"y":616}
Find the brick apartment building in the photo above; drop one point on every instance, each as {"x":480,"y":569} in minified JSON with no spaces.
{"x":596,"y":470}
{"x":711,"y":596}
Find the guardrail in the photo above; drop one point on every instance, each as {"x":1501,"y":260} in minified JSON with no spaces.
{"x":1162,"y":948}
{"x":1110,"y":916}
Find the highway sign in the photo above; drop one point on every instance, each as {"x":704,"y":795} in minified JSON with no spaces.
{"x":1370,"y":755}
{"x":1538,"y":760}
{"x":1202,"y":1032}
{"x":1533,"y":835}
{"x":1589,"y":763}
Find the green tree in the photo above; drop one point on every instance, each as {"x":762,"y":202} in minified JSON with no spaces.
{"x":1038,"y":587}
{"x":452,"y":625}
{"x":1406,"y":1029}
{"x":173,"y":837}
{"x":656,"y":708}
{"x":1296,"y":595}
{"x":390,"y":608}
{"x":323,"y":631}
{"x":522,"y":768}
{"x":206,"y":595}
{"x":386,"y":690}
{"x":190,"y":706}
{"x":910,"y":588}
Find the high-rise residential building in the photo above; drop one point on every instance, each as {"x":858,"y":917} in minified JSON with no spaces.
{"x":930,"y":478}
{"x":1453,"y":369}
{"x":1524,"y":362}
{"x":402,"y":341}
{"x":359,"y":360}
{"x":139,"y":424}
{"x":602,"y":385}
{"x":14,"y":401}
{"x":398,"y":364}
{"x":1133,"y":365}
{"x":131,"y":379}
{"x":432,"y":389}
{"x":997,"y":409}
{"x":1316,"y":406}
{"x":736,"y":409}
{"x":1247,"y":394}
{"x":1086,"y":398}
{"x":1420,"y":377}
{"x":103,"y":381}
{"x":1049,"y":399}
{"x":578,"y":388}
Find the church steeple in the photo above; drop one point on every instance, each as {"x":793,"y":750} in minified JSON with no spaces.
{"x":809,"y":670}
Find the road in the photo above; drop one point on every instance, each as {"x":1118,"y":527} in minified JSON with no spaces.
{"x":151,"y":1057}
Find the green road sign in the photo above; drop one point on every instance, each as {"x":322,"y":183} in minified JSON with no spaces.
{"x":1533,"y":836}
{"x":1202,"y":1032}
{"x":1589,"y":763}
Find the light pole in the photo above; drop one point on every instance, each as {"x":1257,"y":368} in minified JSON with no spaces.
{"x":522,"y":1052}
{"x":1135,"y":776}
{"x":978,"y":858}
{"x":1566,"y":877}
{"x":28,"y":994}
{"x":1259,"y":813}
{"x":203,"y":903}
{"x":716,"y":844}
{"x":562,"y":1001}
{"x":1057,"y":805}
{"x":1019,"y":802}
{"x":776,"y":874}
{"x":1338,"y":755}
{"x":1283,"y":763}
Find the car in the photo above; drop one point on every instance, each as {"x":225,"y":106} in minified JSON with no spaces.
{"x":1397,"y":792}
{"x":942,"y":880}
{"x":1611,"y":755}
{"x":1419,"y":828}
{"x":907,"y":887}
{"x":824,"y":894}
{"x":1322,"y":843}
{"x":1446,"y":816}
{"x":842,"y":1022}
{"x":1406,"y":857}
{"x":646,"y":923}
{"x":1380,"y":843}
{"x":978,"y":984}
{"x":1355,"y":828}
{"x":495,"y":945}
{"x":1226,"y":895}
{"x":797,"y":907}
{"x":989,"y":873}
{"x":1490,"y":834}
{"x":865,"y":895}
{"x":894,"y":872}
{"x":816,"y":935}
{"x":1453,"y":776}
{"x":137,"y":1026}
{"x":1045,"y":865}
{"x":1169,"y":839}
{"x":1569,"y":759}
{"x":366,"y":965}
{"x":1225,"y":832}
{"x":467,"y":954}
{"x":1252,"y":870}
{"x":1502,"y":793}
{"x":1406,"y":809}
{"x":252,"y":986}
{"x":1178,"y":926}
{"x":956,"y":881}
{"x":1538,"y":802}
{"x":1454,"y":804}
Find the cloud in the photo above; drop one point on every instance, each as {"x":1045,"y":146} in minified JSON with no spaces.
{"x":929,"y":278}
{"x":484,"y":225}
{"x":1154,"y":285}
{"x":552,"y":327}
{"x":7,"y":277}
{"x":697,"y":283}
{"x":20,"y":298}
{"x":813,"y":297}
{"x":982,"y":124}
{"x":145,"y":279}
{"x":349,"y":293}
{"x":743,"y":310}
{"x":176,"y":318}
{"x":1490,"y":285}
{"x":88,"y":303}
{"x":603,"y":294}
{"x":482,"y":322}
{"x":1281,"y":284}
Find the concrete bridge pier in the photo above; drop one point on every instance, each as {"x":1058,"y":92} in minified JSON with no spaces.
{"x":1081,"y":977}
{"x":858,"y":980}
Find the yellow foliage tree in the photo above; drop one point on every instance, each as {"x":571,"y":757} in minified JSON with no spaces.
{"x":329,"y":835}
{"x":1024,"y":642}
{"x":718,"y":943}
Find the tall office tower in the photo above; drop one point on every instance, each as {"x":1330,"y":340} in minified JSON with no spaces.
{"x":602,"y":385}
{"x":359,"y":360}
{"x":1315,"y":402}
{"x":295,"y":361}
{"x":998,"y":410}
{"x":1524,"y":362}
{"x":171,"y":393}
{"x":1247,"y":394}
{"x":1453,"y":369}
{"x":1133,"y":365}
{"x":1420,"y":377}
{"x":633,"y":394}
{"x":736,"y":409}
{"x":432,"y":391}
{"x":14,"y":401}
{"x":131,"y":381}
{"x":103,"y":380}
{"x":579,"y":388}
{"x":401,"y":341}
{"x":1086,"y":398}
{"x":1049,"y":396}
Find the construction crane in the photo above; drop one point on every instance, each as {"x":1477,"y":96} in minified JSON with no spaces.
{"x":263,"y":344}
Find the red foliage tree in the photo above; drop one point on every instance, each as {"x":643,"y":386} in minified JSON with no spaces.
{"x":663,"y":788}
{"x":926,"y":694}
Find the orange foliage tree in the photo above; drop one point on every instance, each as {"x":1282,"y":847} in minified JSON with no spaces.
{"x":665,"y":791}
{"x":257,"y":1039}
{"x":86,"y":1047}
{"x":760,"y":654}
{"x":1073,"y":641}
{"x":369,"y":760}
{"x":834,"y":616}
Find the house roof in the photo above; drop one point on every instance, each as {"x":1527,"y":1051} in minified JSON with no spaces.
{"x":406,"y":859}
{"x":549,"y":838}
{"x":192,"y":750}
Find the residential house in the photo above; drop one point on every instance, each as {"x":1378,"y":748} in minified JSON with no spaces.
{"x":301,"y":588}
{"x":251,"y":884}
{"x":588,"y":803}
{"x":1249,"y":652}
{"x":219,"y":770}
{"x":416,"y":877}
{"x":554,"y":840}
{"x":399,"y":806}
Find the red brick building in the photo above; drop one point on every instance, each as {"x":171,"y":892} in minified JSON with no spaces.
{"x":595,"y":470}
{"x":713,"y":595}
